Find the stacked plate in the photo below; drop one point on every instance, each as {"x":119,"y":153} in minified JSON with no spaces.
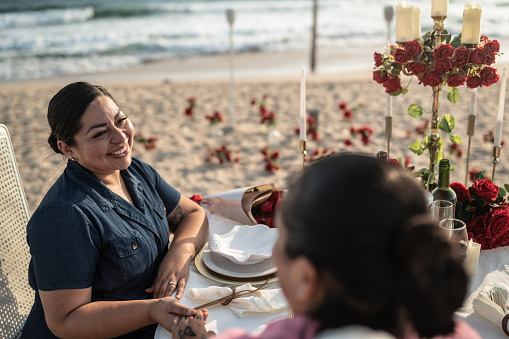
{"x":242,"y":255}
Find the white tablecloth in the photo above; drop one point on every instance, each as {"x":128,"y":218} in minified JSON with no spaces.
{"x":220,"y":316}
{"x":493,"y":267}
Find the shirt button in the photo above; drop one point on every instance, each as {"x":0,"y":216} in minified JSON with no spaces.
{"x":134,"y":245}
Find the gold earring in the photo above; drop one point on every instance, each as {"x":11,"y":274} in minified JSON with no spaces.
{"x":72,"y":158}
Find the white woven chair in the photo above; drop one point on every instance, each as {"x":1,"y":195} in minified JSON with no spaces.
{"x":16,"y":296}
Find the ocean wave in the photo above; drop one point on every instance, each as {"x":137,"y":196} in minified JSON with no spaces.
{"x":45,"y":17}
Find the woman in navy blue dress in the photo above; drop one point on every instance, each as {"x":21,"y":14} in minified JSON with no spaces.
{"x":100,"y":264}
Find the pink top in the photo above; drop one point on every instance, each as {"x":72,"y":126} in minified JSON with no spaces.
{"x":303,"y":327}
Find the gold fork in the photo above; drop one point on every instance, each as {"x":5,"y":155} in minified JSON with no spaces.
{"x":497,"y":297}
{"x":226,"y":300}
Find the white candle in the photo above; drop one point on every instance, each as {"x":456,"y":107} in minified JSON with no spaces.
{"x":417,"y":23}
{"x":473,"y":101}
{"x":388,"y":105}
{"x":471,"y":31}
{"x":303,"y":104}
{"x":404,"y":22}
{"x":500,"y":113}
{"x":472,"y":262}
{"x":439,"y":8}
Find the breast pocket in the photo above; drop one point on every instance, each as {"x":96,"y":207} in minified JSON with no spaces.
{"x":133,"y":255}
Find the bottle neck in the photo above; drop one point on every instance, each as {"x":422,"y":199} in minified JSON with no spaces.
{"x":443,"y":176}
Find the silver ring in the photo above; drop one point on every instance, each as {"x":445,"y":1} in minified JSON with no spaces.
{"x":172,"y":283}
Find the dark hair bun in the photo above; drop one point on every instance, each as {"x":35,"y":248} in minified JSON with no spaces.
{"x":434,"y":282}
{"x":53,"y":142}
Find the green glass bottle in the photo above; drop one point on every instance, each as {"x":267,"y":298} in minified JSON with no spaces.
{"x":443,"y":191}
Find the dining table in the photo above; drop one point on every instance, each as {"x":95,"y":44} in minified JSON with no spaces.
{"x":493,"y":267}
{"x":221,"y":317}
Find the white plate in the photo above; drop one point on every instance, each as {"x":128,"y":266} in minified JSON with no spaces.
{"x":245,"y":245}
{"x":224,"y":266}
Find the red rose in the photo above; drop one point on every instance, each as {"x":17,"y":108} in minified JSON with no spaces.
{"x":348,"y":142}
{"x":492,"y":46}
{"x":461,"y":56}
{"x":400,"y":56}
{"x":474,"y":82}
{"x":443,"y":52}
{"x":269,"y":221}
{"x":378,"y":59}
{"x":424,"y":80}
{"x":416,"y":68}
{"x":489,"y":76}
{"x":412,"y":49}
{"x":267,"y":207}
{"x":455,"y":80}
{"x":461,"y":191}
{"x":433,"y":79}
{"x":443,"y":66}
{"x":497,"y":228}
{"x":196,"y":198}
{"x":490,"y":58}
{"x":378,"y":77}
{"x":189,"y":111}
{"x":477,"y":230}
{"x":477,"y":56}
{"x":392,"y":85}
{"x":485,"y":189}
{"x":342,"y":104}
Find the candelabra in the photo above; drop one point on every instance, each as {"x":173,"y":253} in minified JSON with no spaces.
{"x":388,"y":134}
{"x":496,"y":157}
{"x":470,"y":132}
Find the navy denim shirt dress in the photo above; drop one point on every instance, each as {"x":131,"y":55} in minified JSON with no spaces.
{"x":84,"y":235}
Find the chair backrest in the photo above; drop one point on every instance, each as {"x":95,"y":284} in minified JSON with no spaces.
{"x":16,"y":296}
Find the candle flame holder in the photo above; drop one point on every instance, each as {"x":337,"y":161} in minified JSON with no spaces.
{"x":496,"y":158}
{"x":388,"y":133}
{"x":470,"y":132}
{"x":303,"y":152}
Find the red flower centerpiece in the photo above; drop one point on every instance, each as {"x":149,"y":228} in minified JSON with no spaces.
{"x":484,"y":209}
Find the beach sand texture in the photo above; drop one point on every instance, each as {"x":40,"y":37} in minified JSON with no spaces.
{"x":156,"y":108}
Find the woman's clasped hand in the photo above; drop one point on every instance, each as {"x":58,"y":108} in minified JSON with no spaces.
{"x":101,"y":264}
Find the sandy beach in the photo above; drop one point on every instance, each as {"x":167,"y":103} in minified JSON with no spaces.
{"x":154,"y":96}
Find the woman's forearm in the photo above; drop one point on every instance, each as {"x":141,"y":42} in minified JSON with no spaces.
{"x":104,"y":319}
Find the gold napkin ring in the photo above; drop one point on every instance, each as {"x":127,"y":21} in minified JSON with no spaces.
{"x":232,"y":296}
{"x":504,"y":324}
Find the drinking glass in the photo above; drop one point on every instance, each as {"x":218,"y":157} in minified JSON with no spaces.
{"x":456,"y":231}
{"x":441,"y":209}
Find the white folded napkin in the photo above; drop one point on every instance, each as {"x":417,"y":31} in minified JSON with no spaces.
{"x":486,"y":307}
{"x":263,"y":301}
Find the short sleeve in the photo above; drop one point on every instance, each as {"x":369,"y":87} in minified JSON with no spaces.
{"x":64,"y":247}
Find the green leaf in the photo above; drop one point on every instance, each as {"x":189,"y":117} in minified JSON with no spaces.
{"x":453,"y":95}
{"x":415,"y":111}
{"x":501,"y":192}
{"x":506,"y":186}
{"x":447,"y":123}
{"x":455,"y":139}
{"x":425,"y":142}
{"x":402,"y":91}
{"x":439,"y":156}
{"x":456,"y":42}
{"x":416,"y":147}
{"x":480,"y":175}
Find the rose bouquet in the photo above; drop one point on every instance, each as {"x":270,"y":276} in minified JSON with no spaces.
{"x":264,"y":212}
{"x":484,"y":209}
